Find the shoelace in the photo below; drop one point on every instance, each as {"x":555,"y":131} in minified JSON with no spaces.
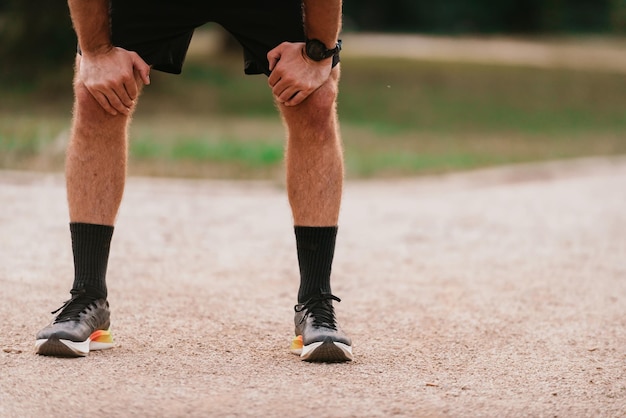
{"x":73,"y":307}
{"x":321,"y":308}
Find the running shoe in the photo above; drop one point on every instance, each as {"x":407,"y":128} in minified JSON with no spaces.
{"x":318,"y":337}
{"x":82,"y":325}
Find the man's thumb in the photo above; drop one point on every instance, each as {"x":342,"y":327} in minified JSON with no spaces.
{"x":145,"y":75}
{"x":143,"y":69}
{"x":273,"y":57}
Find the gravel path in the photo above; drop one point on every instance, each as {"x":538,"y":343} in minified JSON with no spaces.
{"x":494,"y":293}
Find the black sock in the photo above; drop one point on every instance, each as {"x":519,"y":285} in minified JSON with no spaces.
{"x":90,"y":245}
{"x":316,"y":248}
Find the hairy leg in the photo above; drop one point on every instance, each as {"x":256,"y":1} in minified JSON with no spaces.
{"x":314,"y":157}
{"x":96,"y":160}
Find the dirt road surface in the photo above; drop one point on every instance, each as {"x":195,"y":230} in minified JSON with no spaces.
{"x":495,"y":293}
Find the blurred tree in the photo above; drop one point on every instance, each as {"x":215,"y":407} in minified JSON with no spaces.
{"x":618,"y":16}
{"x":35,"y":36}
{"x":485,"y":16}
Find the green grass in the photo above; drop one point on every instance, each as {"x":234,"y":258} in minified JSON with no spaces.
{"x":398,"y":118}
{"x":29,"y":142}
{"x":450,"y":98}
{"x":218,"y":157}
{"x":255,"y":153}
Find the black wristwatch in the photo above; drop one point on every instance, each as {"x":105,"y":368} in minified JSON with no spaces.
{"x":317,"y":51}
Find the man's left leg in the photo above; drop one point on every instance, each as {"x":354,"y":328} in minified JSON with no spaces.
{"x":314,"y":165}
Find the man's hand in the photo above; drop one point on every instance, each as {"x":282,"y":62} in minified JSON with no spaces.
{"x":111,"y":76}
{"x":294,"y":75}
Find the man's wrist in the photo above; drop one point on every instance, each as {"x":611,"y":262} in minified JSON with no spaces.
{"x":324,"y":62}
{"x":96,"y":50}
{"x":316,"y":50}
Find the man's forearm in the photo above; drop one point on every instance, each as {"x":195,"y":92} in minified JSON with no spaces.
{"x":91,"y":23}
{"x":322,"y":20}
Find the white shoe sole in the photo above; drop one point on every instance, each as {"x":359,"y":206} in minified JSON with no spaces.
{"x":327,"y":351}
{"x":58,"y":347}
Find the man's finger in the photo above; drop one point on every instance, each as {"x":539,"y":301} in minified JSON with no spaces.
{"x":145,"y":76}
{"x":104,"y":103}
{"x":273,"y":79}
{"x":116,"y":103}
{"x":273,"y":57}
{"x":142,"y":68}
{"x":296,"y":99}
{"x":131,"y":89}
{"x":287,"y":94}
{"x":278,"y":89}
{"x":121,"y":96}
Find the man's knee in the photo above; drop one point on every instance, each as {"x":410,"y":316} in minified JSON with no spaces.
{"x":323,"y":99}
{"x":84,"y":101}
{"x":326,"y":96}
{"x":318,"y":110}
{"x":93,"y":127}
{"x":87,"y":110}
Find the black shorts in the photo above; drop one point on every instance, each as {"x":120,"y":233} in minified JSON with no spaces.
{"x":160,"y":31}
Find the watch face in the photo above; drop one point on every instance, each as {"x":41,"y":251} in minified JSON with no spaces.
{"x":316,"y":50}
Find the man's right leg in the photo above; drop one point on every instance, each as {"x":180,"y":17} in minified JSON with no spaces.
{"x":95,"y":175}
{"x":96,"y":160}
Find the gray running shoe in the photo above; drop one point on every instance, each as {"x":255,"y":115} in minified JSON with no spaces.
{"x":82,"y":325}
{"x":318,"y":337}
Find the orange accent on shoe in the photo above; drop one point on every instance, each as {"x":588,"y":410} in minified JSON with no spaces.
{"x":101,"y":336}
{"x":296,"y":343}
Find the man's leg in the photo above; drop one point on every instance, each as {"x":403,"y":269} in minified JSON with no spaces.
{"x":95,"y":175}
{"x":314,"y":159}
{"x":314,"y":164}
{"x":96,"y":160}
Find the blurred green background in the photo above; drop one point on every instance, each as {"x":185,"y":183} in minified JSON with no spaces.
{"x":538,"y":80}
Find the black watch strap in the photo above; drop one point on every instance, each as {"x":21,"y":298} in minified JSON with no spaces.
{"x":317,"y":51}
